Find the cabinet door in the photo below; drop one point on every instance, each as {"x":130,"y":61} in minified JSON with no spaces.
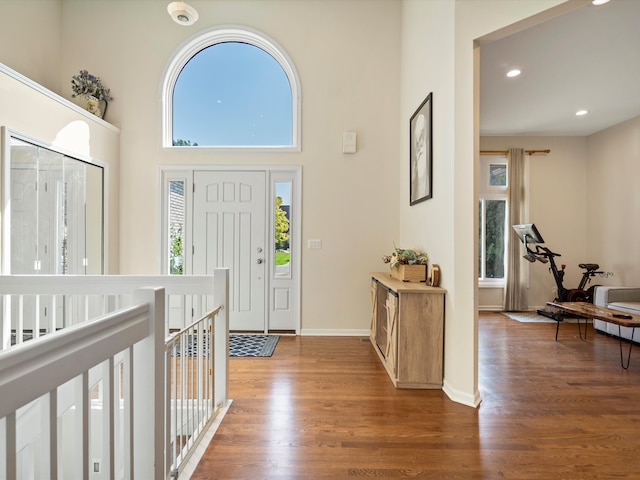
{"x":391,"y":350}
{"x":374,"y":309}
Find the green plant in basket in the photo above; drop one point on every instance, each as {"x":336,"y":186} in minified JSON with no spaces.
{"x":408,"y":256}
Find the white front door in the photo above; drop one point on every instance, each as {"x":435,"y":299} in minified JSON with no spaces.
{"x":229,"y":212}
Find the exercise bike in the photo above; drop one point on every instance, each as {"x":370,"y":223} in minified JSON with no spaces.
{"x":530,"y":235}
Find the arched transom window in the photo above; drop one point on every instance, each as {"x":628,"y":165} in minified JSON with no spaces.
{"x":231,"y":88}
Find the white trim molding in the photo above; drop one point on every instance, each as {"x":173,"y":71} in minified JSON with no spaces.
{"x":461,"y":397}
{"x":322,"y":332}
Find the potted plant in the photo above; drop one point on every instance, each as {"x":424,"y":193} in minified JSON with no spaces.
{"x":92,"y":90}
{"x":408,"y":265}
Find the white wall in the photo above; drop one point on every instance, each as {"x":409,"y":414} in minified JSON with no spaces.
{"x":346,"y":54}
{"x":30,"y":36}
{"x":585,"y":202}
{"x":557,"y":197}
{"x":438,"y":55}
{"x":613,"y":200}
{"x":53,"y":120}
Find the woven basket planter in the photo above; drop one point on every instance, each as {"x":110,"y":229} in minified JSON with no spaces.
{"x":410,"y":273}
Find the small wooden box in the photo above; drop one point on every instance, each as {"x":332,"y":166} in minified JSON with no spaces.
{"x":410,"y":273}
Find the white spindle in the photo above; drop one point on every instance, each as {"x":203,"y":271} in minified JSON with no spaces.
{"x":85,"y":300}
{"x":20,"y":325}
{"x":52,"y":432}
{"x":128,"y":414}
{"x":10,"y":446}
{"x":191,"y":412}
{"x":54,"y":314}
{"x":83,"y":410}
{"x":184,"y":345}
{"x":108,"y":414}
{"x":221,"y":336}
{"x":36,"y":325}
{"x":5,"y":326}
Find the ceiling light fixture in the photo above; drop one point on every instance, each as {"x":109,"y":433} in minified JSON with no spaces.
{"x":599,"y":2}
{"x":182,"y":14}
{"x":580,"y":113}
{"x":513,"y":73}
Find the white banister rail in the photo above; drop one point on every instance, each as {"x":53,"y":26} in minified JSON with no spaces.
{"x":37,"y":370}
{"x":190,"y":360}
{"x":117,"y":369}
{"x":33,"y":369}
{"x":57,"y":301}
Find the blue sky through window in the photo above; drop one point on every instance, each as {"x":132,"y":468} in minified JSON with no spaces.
{"x":283,"y":190}
{"x":233,"y":94}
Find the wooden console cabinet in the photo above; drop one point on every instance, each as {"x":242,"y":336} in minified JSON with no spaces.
{"x":407,"y":330}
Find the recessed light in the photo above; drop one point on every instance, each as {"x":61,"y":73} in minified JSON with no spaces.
{"x":513,"y":73}
{"x":580,"y":113}
{"x":599,"y":2}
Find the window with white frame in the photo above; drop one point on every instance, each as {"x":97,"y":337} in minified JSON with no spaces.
{"x":177,"y":186}
{"x":492,"y":210}
{"x":231,"y":88}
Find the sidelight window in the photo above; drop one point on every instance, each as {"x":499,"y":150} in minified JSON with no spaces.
{"x":282,"y":241}
{"x":492,"y":212}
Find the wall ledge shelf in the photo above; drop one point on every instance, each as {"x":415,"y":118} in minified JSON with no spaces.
{"x":55,"y":97}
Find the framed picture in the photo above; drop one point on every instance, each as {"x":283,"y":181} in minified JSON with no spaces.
{"x":420,"y":160}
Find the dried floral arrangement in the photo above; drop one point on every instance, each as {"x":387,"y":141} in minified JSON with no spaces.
{"x":89,"y":85}
{"x":402,"y":256}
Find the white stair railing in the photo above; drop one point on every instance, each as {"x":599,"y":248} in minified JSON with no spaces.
{"x":112,"y":380}
{"x":191,"y":365}
{"x":36,"y":370}
{"x":33,"y":305}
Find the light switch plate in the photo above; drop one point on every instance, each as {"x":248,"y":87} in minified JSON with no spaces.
{"x":349,"y":142}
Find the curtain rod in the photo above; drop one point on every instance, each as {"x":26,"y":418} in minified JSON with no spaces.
{"x":504,"y":152}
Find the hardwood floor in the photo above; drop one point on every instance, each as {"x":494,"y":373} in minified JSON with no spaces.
{"x":324,"y":408}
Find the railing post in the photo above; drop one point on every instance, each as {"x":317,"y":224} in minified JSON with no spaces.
{"x":221,"y":336}
{"x":150,"y":415}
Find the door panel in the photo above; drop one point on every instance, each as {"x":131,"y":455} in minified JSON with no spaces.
{"x":229,"y":231}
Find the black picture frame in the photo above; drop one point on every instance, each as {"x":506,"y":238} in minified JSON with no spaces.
{"x":420,"y":153}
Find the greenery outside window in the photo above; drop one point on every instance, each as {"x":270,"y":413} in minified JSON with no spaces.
{"x":282,"y":229}
{"x":176,"y":227}
{"x":492,"y":212}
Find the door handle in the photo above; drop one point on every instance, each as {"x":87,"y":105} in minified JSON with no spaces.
{"x":259,"y":261}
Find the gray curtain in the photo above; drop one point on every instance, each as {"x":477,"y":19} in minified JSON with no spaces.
{"x":515,"y":292}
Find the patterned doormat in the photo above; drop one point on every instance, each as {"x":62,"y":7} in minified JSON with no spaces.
{"x":239,"y":345}
{"x":252,"y":345}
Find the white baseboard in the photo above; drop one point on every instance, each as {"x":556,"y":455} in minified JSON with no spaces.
{"x":462,"y":397}
{"x":320,"y":332}
{"x":491,"y":308}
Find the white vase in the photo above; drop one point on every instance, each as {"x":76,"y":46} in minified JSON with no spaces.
{"x":93,"y":105}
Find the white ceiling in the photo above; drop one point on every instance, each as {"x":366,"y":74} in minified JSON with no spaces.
{"x":587,"y":59}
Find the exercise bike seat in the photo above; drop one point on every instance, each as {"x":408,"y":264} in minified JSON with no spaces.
{"x":589,"y":267}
